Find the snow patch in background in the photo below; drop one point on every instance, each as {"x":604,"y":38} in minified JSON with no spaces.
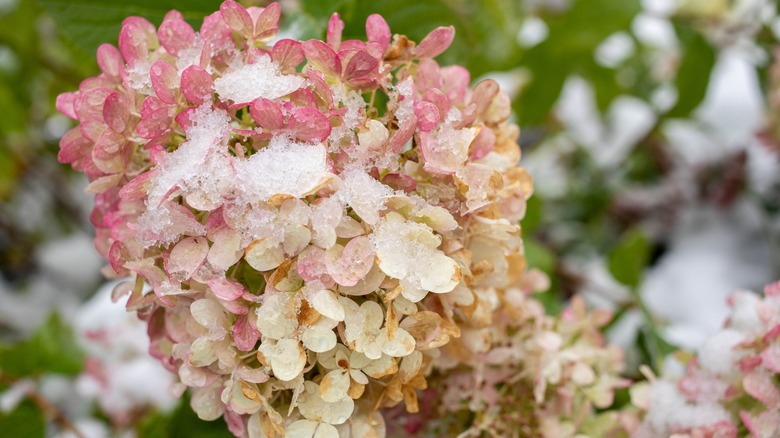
{"x":712,"y":254}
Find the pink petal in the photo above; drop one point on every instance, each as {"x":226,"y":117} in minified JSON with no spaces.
{"x":137,"y":188}
{"x":454,"y":81}
{"x":435,"y":42}
{"x":482,"y":144}
{"x":245,"y":334}
{"x":173,"y":15}
{"x":118,"y":255}
{"x":90,"y":105}
{"x":66,"y":103}
{"x":484,"y":93}
{"x":92,"y":130}
{"x":110,"y":60}
{"x":175,"y":34}
{"x":400,"y":181}
{"x":165,"y":81}
{"x":234,"y":421}
{"x":322,"y":57}
{"x":216,"y":36}
{"x":335,"y":28}
{"x":134,"y":39}
{"x":772,"y":290}
{"x":187,"y":256}
{"x":266,"y":114}
{"x":267,"y":24}
{"x":303,"y":97}
{"x":761,"y":387}
{"x":427,"y":116}
{"x":288,"y":54}
{"x":237,"y":18}
{"x":73,"y":147}
{"x":361,"y":64}
{"x":236,"y":307}
{"x":403,"y":135}
{"x":156,"y":118}
{"x":771,"y":357}
{"x":378,"y":31}
{"x":310,"y":125}
{"x":116,"y":111}
{"x":226,"y":289}
{"x":353,"y":263}
{"x":197,"y":85}
{"x":438,"y":98}
{"x":321,"y":88}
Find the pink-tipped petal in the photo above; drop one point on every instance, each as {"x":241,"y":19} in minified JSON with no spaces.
{"x":226,"y":289}
{"x":427,"y":115}
{"x":73,"y":147}
{"x":403,"y":135}
{"x":322,"y":57}
{"x":483,"y":143}
{"x":133,"y":41}
{"x":378,"y":31}
{"x":109,"y":60}
{"x":335,"y":28}
{"x":175,"y":35}
{"x":245,"y":334}
{"x":288,"y":54}
{"x":90,"y":105}
{"x":237,"y":18}
{"x":165,"y":81}
{"x":435,"y":42}
{"x":197,"y":85}
{"x":66,"y":103}
{"x":116,"y":111}
{"x":267,"y":114}
{"x":310,"y":125}
{"x":361,"y":64}
{"x":438,"y":98}
{"x":267,"y":23}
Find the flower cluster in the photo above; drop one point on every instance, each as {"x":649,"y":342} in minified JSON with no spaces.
{"x":535,"y":375}
{"x":317,"y":220}
{"x":731,"y":388}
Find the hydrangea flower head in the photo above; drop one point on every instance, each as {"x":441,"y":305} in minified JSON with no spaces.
{"x":310,"y":251}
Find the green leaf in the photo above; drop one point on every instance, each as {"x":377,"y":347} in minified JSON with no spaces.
{"x":695,"y":71}
{"x":52,"y":348}
{"x":90,"y":23}
{"x":25,"y":421}
{"x":628,"y":259}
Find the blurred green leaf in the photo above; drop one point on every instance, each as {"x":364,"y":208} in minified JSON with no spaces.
{"x":90,"y":23}
{"x":181,"y":423}
{"x":569,"y":49}
{"x":534,"y":211}
{"x":52,"y":348}
{"x":695,"y":71}
{"x":628,"y":259}
{"x":25,"y":421}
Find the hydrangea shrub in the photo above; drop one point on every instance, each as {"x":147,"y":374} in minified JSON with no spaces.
{"x":321,"y":224}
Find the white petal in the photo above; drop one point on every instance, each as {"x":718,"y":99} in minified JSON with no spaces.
{"x":327,"y":303}
{"x":264,"y":255}
{"x":334,"y":386}
{"x":401,"y":345}
{"x":319,"y":339}
{"x":301,"y":429}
